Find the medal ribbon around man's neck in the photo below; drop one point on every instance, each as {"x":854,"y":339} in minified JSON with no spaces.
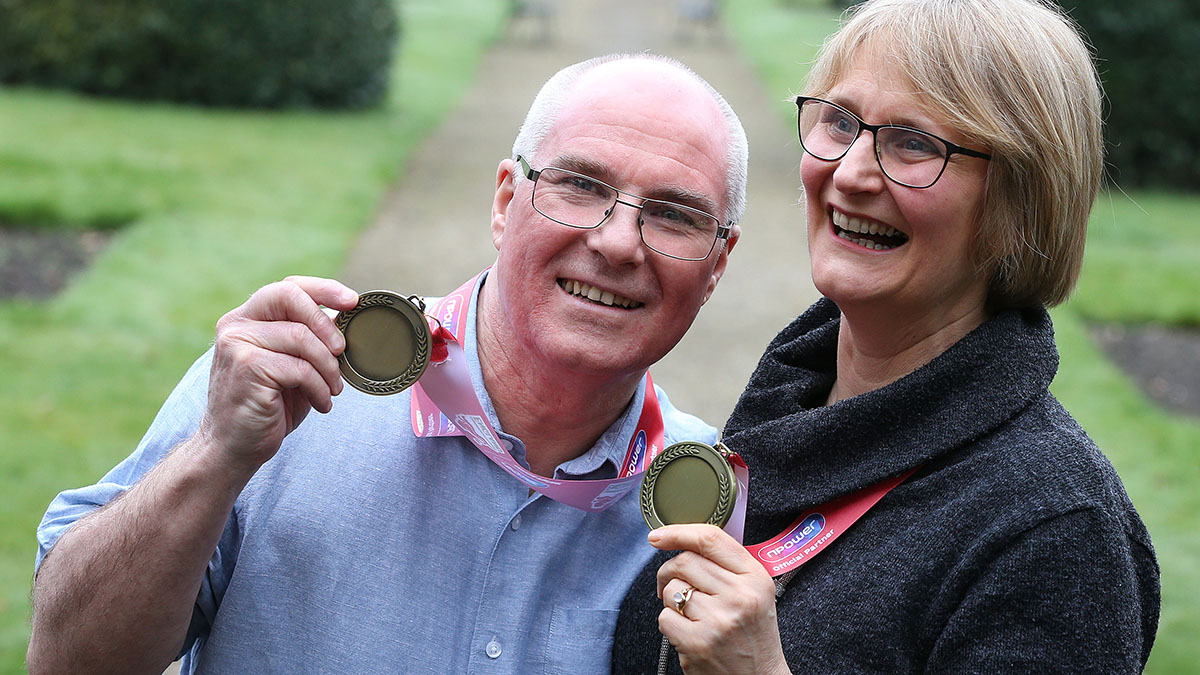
{"x":444,"y":403}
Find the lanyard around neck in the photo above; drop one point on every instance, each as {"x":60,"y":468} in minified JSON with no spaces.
{"x":819,"y":527}
{"x":444,"y":403}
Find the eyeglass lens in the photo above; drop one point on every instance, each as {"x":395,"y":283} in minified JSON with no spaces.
{"x":578,"y":201}
{"x":907,"y":156}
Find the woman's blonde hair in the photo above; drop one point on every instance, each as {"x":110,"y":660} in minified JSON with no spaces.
{"x":1016,"y":79}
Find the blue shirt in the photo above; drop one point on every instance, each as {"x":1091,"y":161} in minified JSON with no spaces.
{"x":359,"y":548}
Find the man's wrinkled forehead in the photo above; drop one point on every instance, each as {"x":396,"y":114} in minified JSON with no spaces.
{"x":632,"y":74}
{"x":645,"y":86}
{"x":646,"y":96}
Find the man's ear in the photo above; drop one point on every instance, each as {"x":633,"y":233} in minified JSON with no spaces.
{"x":735,"y":233}
{"x":505,"y":189}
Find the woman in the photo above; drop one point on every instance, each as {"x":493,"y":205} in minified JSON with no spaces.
{"x":938,"y":239}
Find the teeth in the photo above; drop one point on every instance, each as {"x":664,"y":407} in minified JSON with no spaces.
{"x":580,"y":289}
{"x":865,"y":243}
{"x":862,"y":226}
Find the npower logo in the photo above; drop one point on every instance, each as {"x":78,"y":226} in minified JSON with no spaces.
{"x":636,"y":453}
{"x":448,"y":310}
{"x":804,"y":532}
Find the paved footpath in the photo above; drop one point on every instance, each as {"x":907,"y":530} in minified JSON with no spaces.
{"x":432,"y":230}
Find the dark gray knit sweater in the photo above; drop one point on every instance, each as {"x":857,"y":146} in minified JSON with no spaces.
{"x":1014,"y":548}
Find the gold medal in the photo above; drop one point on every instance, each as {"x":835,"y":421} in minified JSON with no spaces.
{"x":387,"y":342}
{"x":689,"y":482}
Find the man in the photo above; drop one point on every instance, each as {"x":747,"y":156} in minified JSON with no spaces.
{"x":252,"y":542}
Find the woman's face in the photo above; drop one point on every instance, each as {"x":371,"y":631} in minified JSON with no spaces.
{"x":878,"y":246}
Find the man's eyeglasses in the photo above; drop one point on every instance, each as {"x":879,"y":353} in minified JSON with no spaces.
{"x":575,"y":200}
{"x":908,"y":156}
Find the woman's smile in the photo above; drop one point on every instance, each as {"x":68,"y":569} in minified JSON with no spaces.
{"x":866,"y":233}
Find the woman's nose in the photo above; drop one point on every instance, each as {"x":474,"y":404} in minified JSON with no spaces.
{"x":858,"y":170}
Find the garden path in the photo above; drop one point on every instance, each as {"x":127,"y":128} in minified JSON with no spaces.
{"x":431,"y":232}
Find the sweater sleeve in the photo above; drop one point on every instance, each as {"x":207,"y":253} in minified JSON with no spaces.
{"x":1073,"y":593}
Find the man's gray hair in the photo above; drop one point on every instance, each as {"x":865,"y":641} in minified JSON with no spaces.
{"x":553,"y":96}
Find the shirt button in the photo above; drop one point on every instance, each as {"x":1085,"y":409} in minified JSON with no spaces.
{"x":516,"y":522}
{"x":493,"y":649}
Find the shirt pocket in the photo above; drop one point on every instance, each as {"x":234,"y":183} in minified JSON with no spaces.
{"x":580,"y":641}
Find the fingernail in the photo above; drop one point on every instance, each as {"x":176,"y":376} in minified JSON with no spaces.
{"x":654,"y":536}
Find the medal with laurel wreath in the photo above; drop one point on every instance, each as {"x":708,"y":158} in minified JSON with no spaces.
{"x":387,"y":342}
{"x":689,"y":482}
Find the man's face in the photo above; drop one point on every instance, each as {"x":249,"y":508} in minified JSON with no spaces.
{"x":645,"y":130}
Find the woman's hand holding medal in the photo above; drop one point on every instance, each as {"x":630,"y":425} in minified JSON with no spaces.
{"x":727,"y":622}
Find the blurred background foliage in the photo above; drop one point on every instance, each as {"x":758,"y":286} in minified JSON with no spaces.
{"x":1147,"y":61}
{"x":260,"y":53}
{"x":1146,"y":54}
{"x":201,"y":204}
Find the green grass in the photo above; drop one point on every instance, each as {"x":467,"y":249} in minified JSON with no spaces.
{"x":781,"y":38}
{"x":1140,"y":265}
{"x":1155,"y":453}
{"x":1143,"y":259}
{"x":214,"y":203}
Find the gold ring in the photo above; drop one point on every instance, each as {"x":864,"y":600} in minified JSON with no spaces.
{"x":681,"y":599}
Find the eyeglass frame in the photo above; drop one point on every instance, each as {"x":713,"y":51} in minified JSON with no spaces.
{"x":951,"y":148}
{"x":723,"y":230}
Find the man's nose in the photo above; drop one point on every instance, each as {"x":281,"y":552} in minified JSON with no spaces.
{"x":619,"y":237}
{"x":859,"y":170}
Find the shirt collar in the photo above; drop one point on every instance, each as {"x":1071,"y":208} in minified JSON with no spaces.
{"x":601,"y":460}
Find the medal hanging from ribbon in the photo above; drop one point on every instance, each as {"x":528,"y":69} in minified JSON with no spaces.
{"x":697,"y":483}
{"x":694,"y":482}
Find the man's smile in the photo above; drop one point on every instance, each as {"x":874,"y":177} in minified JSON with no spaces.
{"x":588,"y":292}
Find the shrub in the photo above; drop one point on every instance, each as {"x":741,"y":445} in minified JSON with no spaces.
{"x":259,"y":53}
{"x":1147,"y":51}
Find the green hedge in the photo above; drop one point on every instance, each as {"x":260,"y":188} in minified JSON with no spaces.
{"x":1148,"y":62}
{"x":255,"y":53}
{"x":1147,"y":58}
